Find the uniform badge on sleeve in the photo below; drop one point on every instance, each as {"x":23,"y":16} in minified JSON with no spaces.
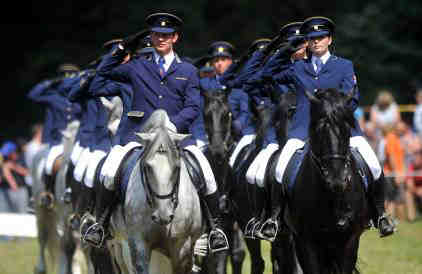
{"x":355,"y":80}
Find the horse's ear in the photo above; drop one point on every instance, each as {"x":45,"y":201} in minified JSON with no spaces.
{"x":178,"y":137}
{"x":312,"y":98}
{"x":145,"y":137}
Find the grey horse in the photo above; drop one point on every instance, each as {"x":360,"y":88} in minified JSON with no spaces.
{"x":54,"y":231}
{"x":161,"y":208}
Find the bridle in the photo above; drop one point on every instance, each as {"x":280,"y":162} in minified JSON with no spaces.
{"x":150,"y":193}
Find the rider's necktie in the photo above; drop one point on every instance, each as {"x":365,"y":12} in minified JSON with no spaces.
{"x":318,"y":64}
{"x":161,"y":63}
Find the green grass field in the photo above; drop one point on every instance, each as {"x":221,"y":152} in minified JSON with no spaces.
{"x":399,"y":254}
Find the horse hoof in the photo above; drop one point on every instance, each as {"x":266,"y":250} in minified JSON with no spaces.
{"x":39,"y":271}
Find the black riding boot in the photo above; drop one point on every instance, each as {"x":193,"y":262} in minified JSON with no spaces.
{"x":85,"y":203}
{"x":67,"y":196}
{"x":96,"y":233}
{"x":255,"y":221}
{"x":380,"y":219}
{"x":217,"y":239}
{"x":47,"y":197}
{"x":271,"y":226}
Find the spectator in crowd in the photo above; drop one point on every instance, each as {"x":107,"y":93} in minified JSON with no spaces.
{"x":13,"y":178}
{"x":31,"y":148}
{"x":370,"y":134}
{"x":384,"y":112}
{"x":414,"y":185}
{"x":417,"y":116}
{"x":394,"y":171}
{"x":360,"y":117}
{"x":409,"y":141}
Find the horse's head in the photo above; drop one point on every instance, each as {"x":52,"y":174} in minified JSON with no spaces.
{"x":160,"y":167}
{"x":331,"y":122}
{"x":217,"y":120}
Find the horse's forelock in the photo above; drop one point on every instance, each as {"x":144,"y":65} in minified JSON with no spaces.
{"x":162,"y":143}
{"x":334,"y":112}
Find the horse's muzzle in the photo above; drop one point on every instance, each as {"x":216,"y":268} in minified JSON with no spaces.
{"x":156,"y":218}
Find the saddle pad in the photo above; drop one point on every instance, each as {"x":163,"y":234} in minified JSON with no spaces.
{"x":363,"y":168}
{"x":126,"y":168}
{"x":294,"y":165}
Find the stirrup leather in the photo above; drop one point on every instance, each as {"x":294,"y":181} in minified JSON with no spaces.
{"x":214,"y":233}
{"x":260,"y":235}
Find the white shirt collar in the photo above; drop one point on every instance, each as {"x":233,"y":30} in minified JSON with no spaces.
{"x":323,"y":58}
{"x":168,"y":58}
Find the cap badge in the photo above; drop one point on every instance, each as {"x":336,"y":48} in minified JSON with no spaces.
{"x":163,"y":23}
{"x":220,"y":49}
{"x":316,"y":27}
{"x":297,"y":31}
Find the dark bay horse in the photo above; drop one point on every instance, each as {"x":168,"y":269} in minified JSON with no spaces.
{"x":217,"y":118}
{"x":327,"y":206}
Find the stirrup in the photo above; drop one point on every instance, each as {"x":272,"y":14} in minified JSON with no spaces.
{"x":50,"y":196}
{"x":261,"y":235}
{"x":95,"y":228}
{"x":249,"y":228}
{"x":216,"y":232}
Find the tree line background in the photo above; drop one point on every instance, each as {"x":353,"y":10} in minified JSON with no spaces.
{"x":381,"y":37}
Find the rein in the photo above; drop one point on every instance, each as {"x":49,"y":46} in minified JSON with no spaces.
{"x":150,"y":193}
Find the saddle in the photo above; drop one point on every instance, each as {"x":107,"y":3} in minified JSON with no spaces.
{"x":295,"y":164}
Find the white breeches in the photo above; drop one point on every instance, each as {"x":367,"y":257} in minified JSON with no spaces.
{"x":256,"y":171}
{"x":244,"y":141}
{"x":55,"y":151}
{"x":76,"y":153}
{"x":112,"y":163}
{"x":95,"y":157}
{"x":81,"y":165}
{"x":211,"y":184}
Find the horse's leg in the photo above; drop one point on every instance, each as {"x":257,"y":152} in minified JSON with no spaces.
{"x":308,"y":257}
{"x":40,"y":268}
{"x":257,"y":263}
{"x":283,"y":255}
{"x":140,"y":254}
{"x":237,"y":250}
{"x":67,"y":250}
{"x":181,"y":257}
{"x":349,"y":258}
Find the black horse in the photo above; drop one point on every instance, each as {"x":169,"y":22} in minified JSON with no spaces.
{"x":217,"y":118}
{"x":327,"y":206}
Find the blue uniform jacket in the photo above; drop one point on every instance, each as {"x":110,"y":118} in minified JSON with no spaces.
{"x":177,"y":92}
{"x":336,"y":73}
{"x":93,"y":132}
{"x":59,"y":110}
{"x":101,"y":86}
{"x":239,"y":106}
